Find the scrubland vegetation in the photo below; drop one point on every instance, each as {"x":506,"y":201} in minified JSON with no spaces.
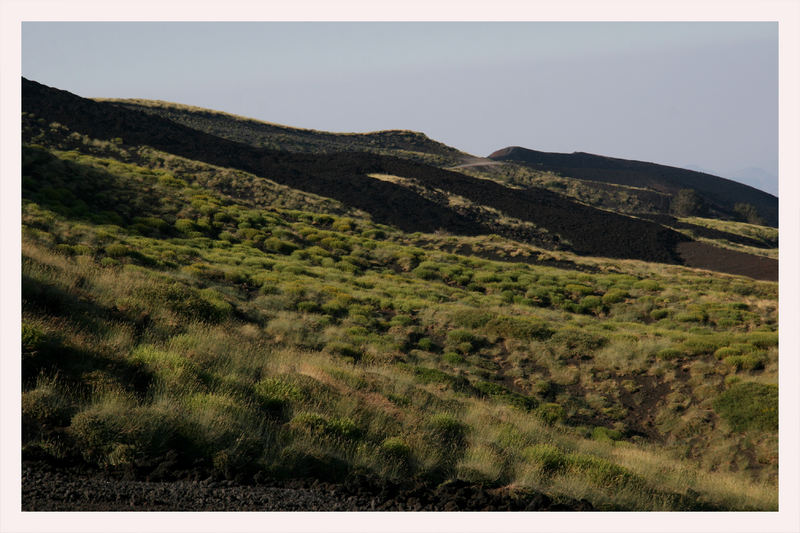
{"x":180,"y":317}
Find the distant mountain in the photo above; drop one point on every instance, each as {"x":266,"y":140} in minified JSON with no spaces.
{"x":402,"y":143}
{"x":720,"y":195}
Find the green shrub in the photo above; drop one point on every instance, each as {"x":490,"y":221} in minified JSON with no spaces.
{"x":749,"y":406}
{"x":551,"y":413}
{"x":727,"y":351}
{"x":184,"y":225}
{"x":647,"y":285}
{"x":614,"y":296}
{"x":691,"y":316}
{"x":668,"y":354}
{"x":425,"y":343}
{"x":539,"y":297}
{"x":763,"y":339}
{"x":46,"y":404}
{"x":343,"y":428}
{"x":116,"y":250}
{"x":470,"y":318}
{"x":431,"y":375}
{"x":499,"y":392}
{"x":345,"y":350}
{"x":700,"y":345}
{"x":458,"y":336}
{"x":277,"y":396}
{"x":395,"y":449}
{"x":111,"y":436}
{"x":658,"y":314}
{"x":308,"y":307}
{"x":590,"y":303}
{"x":578,"y":290}
{"x":453,"y":358}
{"x":32,"y":337}
{"x":570,"y":341}
{"x":547,"y":457}
{"x":605,"y":434}
{"x":275,"y":245}
{"x":426,"y":273}
{"x":520,"y":328}
{"x":447,"y":434}
{"x":601,"y":472}
{"x":751,"y":361}
{"x":312,"y":423}
{"x":544,"y":388}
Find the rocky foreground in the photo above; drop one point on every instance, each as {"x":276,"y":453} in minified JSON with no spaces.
{"x":49,"y":488}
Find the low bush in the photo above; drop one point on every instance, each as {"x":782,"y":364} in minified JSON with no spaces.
{"x":576,"y":342}
{"x":549,"y":459}
{"x":749,"y":406}
{"x":601,"y":472}
{"x":495,"y":390}
{"x":751,"y":361}
{"x":519,"y":328}
{"x":396,"y":457}
{"x":277,"y":396}
{"x":763,"y":339}
{"x":614,"y":296}
{"x":116,"y":250}
{"x":668,"y":354}
{"x":447,"y":434}
{"x":605,"y":434}
{"x":551,"y":413}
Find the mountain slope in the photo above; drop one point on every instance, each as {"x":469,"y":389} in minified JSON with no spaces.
{"x":191,"y":312}
{"x":721,"y":194}
{"x":346,"y":177}
{"x":402,"y":143}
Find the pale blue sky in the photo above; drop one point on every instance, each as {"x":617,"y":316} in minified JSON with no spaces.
{"x":684,"y":94}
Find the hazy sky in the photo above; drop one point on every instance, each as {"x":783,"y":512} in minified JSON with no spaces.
{"x":686,"y":94}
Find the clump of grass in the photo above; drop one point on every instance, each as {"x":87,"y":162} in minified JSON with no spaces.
{"x":519,"y":328}
{"x":277,"y":396}
{"x":46,"y":404}
{"x":447,"y":439}
{"x":751,"y":361}
{"x":614,"y":296}
{"x":321,"y":426}
{"x":547,"y":458}
{"x":763,"y":339}
{"x":396,"y":458}
{"x":749,"y":406}
{"x":602,"y":472}
{"x":506,"y":395}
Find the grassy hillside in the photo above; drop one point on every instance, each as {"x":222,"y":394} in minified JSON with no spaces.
{"x":175,"y":322}
{"x":199,"y":306}
{"x":349,"y":178}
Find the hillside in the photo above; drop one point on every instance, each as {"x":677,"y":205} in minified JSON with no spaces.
{"x":210,"y":325}
{"x":425,"y":198}
{"x":721,"y":195}
{"x":401,"y":143}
